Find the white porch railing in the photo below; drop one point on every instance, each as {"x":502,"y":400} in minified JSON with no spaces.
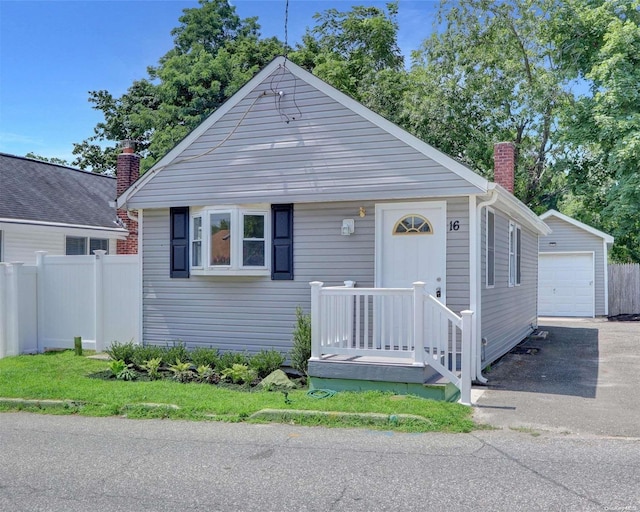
{"x":395,"y":324}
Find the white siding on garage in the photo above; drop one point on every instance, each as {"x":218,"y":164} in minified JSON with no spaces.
{"x":326,"y":152}
{"x":236,"y":313}
{"x":570,"y":238}
{"x":508,"y":313}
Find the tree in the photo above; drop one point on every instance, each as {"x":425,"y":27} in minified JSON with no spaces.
{"x":488,"y":76}
{"x":599,"y":43}
{"x":215,"y":53}
{"x":357,"y":52}
{"x":52,"y":160}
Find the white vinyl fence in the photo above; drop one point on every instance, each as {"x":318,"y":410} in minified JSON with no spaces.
{"x":48,"y":304}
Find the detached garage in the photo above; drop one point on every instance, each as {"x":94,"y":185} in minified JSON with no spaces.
{"x":572,"y":269}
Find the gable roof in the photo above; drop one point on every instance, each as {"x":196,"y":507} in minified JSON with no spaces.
{"x":38,"y":192}
{"x":554,"y":213}
{"x":193,"y":166}
{"x":475,"y":180}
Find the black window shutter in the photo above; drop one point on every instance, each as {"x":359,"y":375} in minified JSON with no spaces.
{"x":282,"y":254}
{"x":179,"y":218}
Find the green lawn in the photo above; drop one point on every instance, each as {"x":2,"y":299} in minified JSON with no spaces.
{"x":65,"y":376}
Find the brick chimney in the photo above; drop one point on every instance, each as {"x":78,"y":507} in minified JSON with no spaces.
{"x":128,"y":171}
{"x":504,"y":164}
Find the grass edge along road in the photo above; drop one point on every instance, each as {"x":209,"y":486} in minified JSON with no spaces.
{"x":67,"y":380}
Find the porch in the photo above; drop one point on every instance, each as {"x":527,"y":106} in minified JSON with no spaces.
{"x":395,"y":339}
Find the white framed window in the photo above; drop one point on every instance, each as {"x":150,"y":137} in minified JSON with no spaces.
{"x":230,"y":240}
{"x":81,"y":245}
{"x":515,"y":254}
{"x":490,"y":277}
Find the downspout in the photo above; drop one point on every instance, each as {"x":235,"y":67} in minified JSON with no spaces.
{"x":131,"y":216}
{"x":476,"y":295}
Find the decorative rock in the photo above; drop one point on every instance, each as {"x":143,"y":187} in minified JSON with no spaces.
{"x":277,"y":380}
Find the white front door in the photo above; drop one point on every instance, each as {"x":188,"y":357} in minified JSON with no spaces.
{"x":411,"y":245}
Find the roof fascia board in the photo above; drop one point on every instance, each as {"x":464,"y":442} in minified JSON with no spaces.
{"x":513,"y":205}
{"x":446,"y":161}
{"x":555,"y":213}
{"x":62,"y":225}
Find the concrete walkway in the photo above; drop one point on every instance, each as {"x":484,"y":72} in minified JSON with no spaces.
{"x":584,"y":378}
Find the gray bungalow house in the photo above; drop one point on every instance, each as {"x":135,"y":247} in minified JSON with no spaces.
{"x":291,"y":182}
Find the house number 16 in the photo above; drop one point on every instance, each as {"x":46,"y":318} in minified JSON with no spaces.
{"x":454,"y":225}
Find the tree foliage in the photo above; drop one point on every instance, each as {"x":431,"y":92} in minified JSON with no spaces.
{"x":357,"y":52}
{"x":599,"y":44}
{"x":51,"y":160}
{"x":215,"y":53}
{"x":488,"y":76}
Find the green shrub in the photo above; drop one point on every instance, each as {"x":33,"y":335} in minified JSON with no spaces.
{"x":142,"y":354}
{"x":121,"y":351}
{"x":122,"y":371}
{"x":176,"y":353}
{"x":116,"y":366}
{"x":266,"y":361}
{"x":228,"y":359}
{"x":152,"y":367}
{"x":205,"y":356}
{"x":181,"y":371}
{"x":239,"y":373}
{"x":207,"y":374}
{"x":301,"y":351}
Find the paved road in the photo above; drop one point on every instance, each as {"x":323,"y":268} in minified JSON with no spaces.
{"x":68,"y":463}
{"x":583,"y":379}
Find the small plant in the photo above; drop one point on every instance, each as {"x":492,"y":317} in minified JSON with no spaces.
{"x":301,"y":351}
{"x":122,"y":351}
{"x":152,"y":367}
{"x":176,"y":353}
{"x":207,"y":374}
{"x":122,"y":371}
{"x":239,"y":373}
{"x":266,"y":361}
{"x":117,"y":366}
{"x":127,"y":374}
{"x":228,"y":359}
{"x":181,"y":371}
{"x":205,"y":356}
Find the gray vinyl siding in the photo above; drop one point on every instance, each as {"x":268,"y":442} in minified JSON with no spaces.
{"x":241,"y":313}
{"x":508,"y":314}
{"x":570,"y":238}
{"x":325,"y":153}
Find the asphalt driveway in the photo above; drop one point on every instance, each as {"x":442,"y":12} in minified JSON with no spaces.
{"x":584,"y":378}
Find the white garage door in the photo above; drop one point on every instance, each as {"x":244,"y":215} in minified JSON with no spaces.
{"x":565,"y":285}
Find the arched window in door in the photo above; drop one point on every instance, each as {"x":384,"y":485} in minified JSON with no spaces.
{"x":413,"y":224}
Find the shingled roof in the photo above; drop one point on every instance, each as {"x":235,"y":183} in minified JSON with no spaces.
{"x":35,"y":191}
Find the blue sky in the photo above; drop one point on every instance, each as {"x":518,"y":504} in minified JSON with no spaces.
{"x":53,"y":52}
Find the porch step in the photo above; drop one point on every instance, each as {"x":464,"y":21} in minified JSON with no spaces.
{"x":342,"y":373}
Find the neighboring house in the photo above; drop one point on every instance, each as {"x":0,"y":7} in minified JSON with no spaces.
{"x":572,"y":275}
{"x":291,"y":181}
{"x":49,"y":207}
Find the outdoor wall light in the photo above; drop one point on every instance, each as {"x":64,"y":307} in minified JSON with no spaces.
{"x":552,"y":244}
{"x":348,"y":227}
